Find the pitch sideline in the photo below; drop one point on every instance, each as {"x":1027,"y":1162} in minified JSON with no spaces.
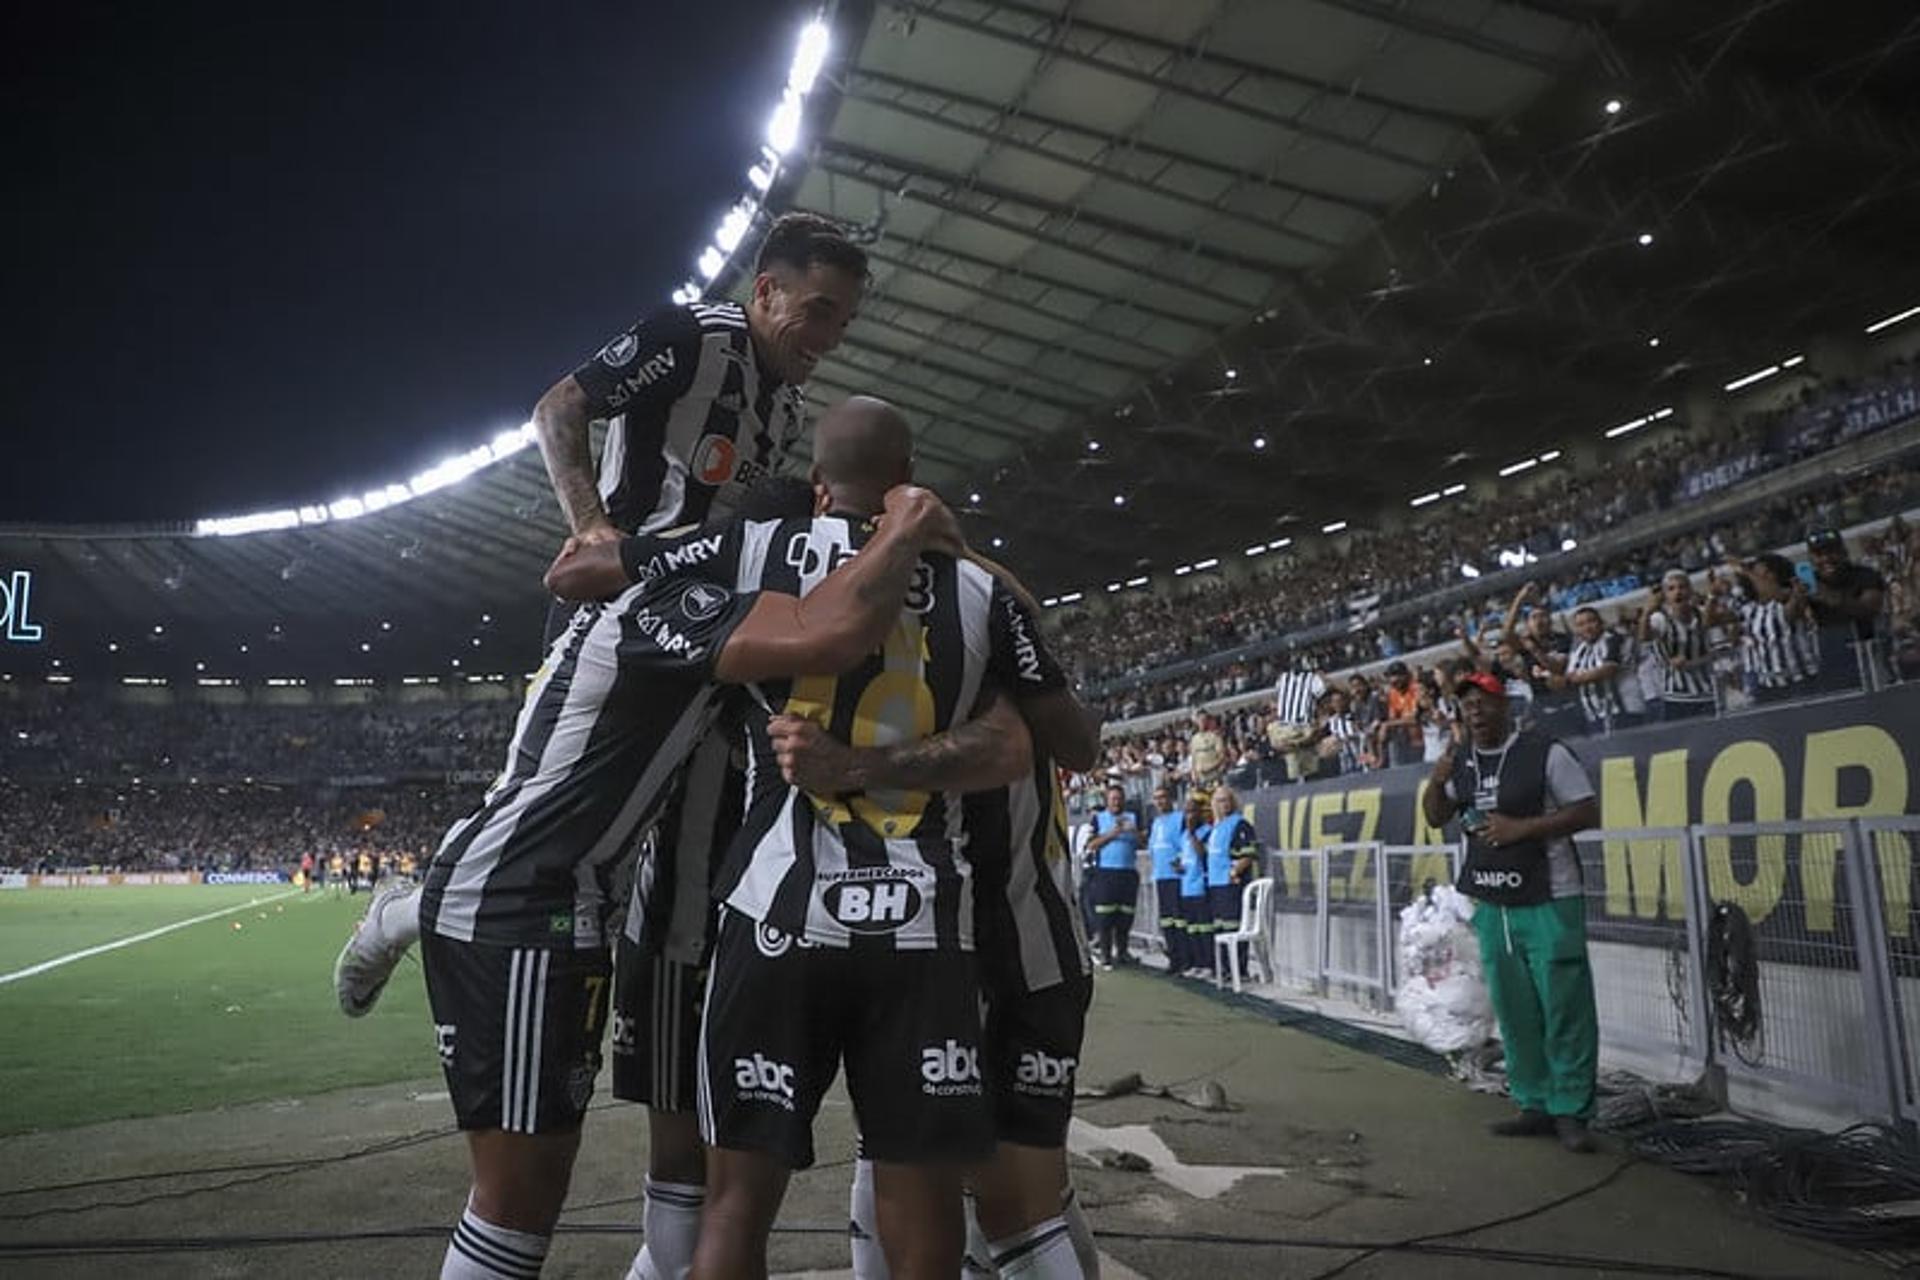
{"x":117,"y":943}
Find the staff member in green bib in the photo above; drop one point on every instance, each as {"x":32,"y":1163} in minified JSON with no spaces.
{"x":1520,"y":796}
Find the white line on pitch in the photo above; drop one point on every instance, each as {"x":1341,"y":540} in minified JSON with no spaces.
{"x":57,"y":961}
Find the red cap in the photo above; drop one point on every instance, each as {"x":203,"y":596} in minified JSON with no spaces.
{"x":1486,"y":683}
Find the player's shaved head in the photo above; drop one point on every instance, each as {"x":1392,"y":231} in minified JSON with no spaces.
{"x":861,"y":448}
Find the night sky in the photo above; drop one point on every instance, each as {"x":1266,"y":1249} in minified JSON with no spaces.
{"x":264,"y":254}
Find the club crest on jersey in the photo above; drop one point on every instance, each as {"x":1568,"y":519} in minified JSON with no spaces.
{"x":620,"y":351}
{"x":702,"y":601}
{"x":715,"y":459}
{"x":875,"y":907}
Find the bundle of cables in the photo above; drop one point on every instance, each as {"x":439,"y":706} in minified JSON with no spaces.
{"x":1733,"y":983}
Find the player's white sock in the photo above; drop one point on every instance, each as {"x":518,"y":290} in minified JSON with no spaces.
{"x":977,"y":1262}
{"x":400,"y":917}
{"x":481,"y":1251}
{"x":671,"y":1221}
{"x":1082,"y":1234}
{"x":1044,"y":1252}
{"x":863,"y":1228}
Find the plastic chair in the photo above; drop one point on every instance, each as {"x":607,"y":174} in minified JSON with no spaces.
{"x":1253,"y":916}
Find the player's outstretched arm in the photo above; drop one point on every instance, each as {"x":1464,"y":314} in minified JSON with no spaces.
{"x":847,"y":616}
{"x":990,"y":750}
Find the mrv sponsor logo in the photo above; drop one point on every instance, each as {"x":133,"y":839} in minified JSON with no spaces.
{"x":950,"y":1070}
{"x":761,"y":1079}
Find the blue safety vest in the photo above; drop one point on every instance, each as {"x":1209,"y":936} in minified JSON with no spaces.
{"x":1166,"y":841}
{"x":1220,"y":849}
{"x":1193,"y":879}
{"x":1119,"y":853}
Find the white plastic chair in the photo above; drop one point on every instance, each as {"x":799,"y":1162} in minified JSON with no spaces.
{"x":1253,"y":916}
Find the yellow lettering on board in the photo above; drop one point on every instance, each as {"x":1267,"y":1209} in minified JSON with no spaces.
{"x":1868,"y":747}
{"x":1642,"y":876}
{"x":1756,"y":765}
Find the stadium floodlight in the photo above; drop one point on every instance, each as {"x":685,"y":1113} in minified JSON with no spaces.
{"x":1791,"y":361}
{"x":1335,"y":527}
{"x":346,"y":509}
{"x":711,"y":261}
{"x":1119,"y":499}
{"x":1453,"y":489}
{"x":1550,"y":455}
{"x":1206,"y":564}
{"x":1072,"y":597}
{"x":1279,"y":543}
{"x":1887,"y":322}
{"x":1140,"y":581}
{"x":1049,"y":602}
{"x":1515,"y":468}
{"x":783,"y":130}
{"x":59,"y":679}
{"x":999,"y":542}
{"x":1259,"y":442}
{"x":259,"y":522}
{"x":688,"y":292}
{"x":1182,"y":570}
{"x":1631,"y":425}
{"x":1093,"y":446}
{"x":1614,"y":106}
{"x":1113,"y":586}
{"x":1468,"y":571}
{"x":760,"y":177}
{"x":1569,"y":544}
{"x":1666,"y":412}
{"x":1232,"y":374}
{"x":1257,"y":549}
{"x":1425,"y":498}
{"x":809,"y":56}
{"x":974,"y":498}
{"x":1644,"y":239}
{"x":1758,"y":375}
{"x":508,"y":443}
{"x":733,"y":228}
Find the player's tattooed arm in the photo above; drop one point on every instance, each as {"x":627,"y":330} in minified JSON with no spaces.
{"x":990,"y":750}
{"x":560,"y":424}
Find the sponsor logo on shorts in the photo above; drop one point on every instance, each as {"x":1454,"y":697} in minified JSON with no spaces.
{"x":761,"y":1079}
{"x":950,"y":1070}
{"x":580,"y":1081}
{"x":1041,"y":1073}
{"x":879,"y":907}
{"x":715,"y":459}
{"x":443,"y":1033}
{"x":625,"y":1033}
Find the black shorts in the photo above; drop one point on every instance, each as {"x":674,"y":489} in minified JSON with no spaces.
{"x":518,"y":1030}
{"x":656,"y":1027}
{"x":1031,"y":1051}
{"x":781,"y":1017}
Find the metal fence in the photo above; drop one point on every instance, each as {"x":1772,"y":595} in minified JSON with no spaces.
{"x":1783,"y":955}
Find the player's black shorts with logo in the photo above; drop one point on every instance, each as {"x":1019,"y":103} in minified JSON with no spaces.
{"x":656,"y":1027}
{"x":519,"y":1031}
{"x":781,"y":1016}
{"x":1030,"y":1050}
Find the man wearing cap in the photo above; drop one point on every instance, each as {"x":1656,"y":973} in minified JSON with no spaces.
{"x":1400,"y":731}
{"x":1520,"y":796}
{"x":1847,"y":600}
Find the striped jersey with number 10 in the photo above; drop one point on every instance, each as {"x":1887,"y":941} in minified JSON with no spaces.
{"x":877,"y":869}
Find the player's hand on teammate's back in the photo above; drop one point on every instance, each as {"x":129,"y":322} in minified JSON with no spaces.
{"x":587,"y":570}
{"x":919,"y":514}
{"x":810,"y":758}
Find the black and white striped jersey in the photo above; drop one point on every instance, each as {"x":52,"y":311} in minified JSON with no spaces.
{"x":877,"y":869}
{"x":671,"y":911}
{"x":1775,"y":648}
{"x":693,"y":417}
{"x":1678,"y":637}
{"x":1295,"y":696}
{"x":1027,"y":925}
{"x":608,"y":721}
{"x":1600,"y":699}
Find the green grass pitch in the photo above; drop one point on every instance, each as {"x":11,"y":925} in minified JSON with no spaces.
{"x":205,"y":1016}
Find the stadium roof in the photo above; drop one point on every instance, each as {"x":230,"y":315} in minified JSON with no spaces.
{"x":1152,"y":278}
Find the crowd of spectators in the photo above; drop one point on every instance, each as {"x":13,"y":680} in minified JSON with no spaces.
{"x":52,"y":825}
{"x":1244,"y":613}
{"x":1208,"y":615}
{"x":73,"y":733}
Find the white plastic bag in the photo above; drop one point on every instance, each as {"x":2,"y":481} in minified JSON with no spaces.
{"x":1442,"y":999}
